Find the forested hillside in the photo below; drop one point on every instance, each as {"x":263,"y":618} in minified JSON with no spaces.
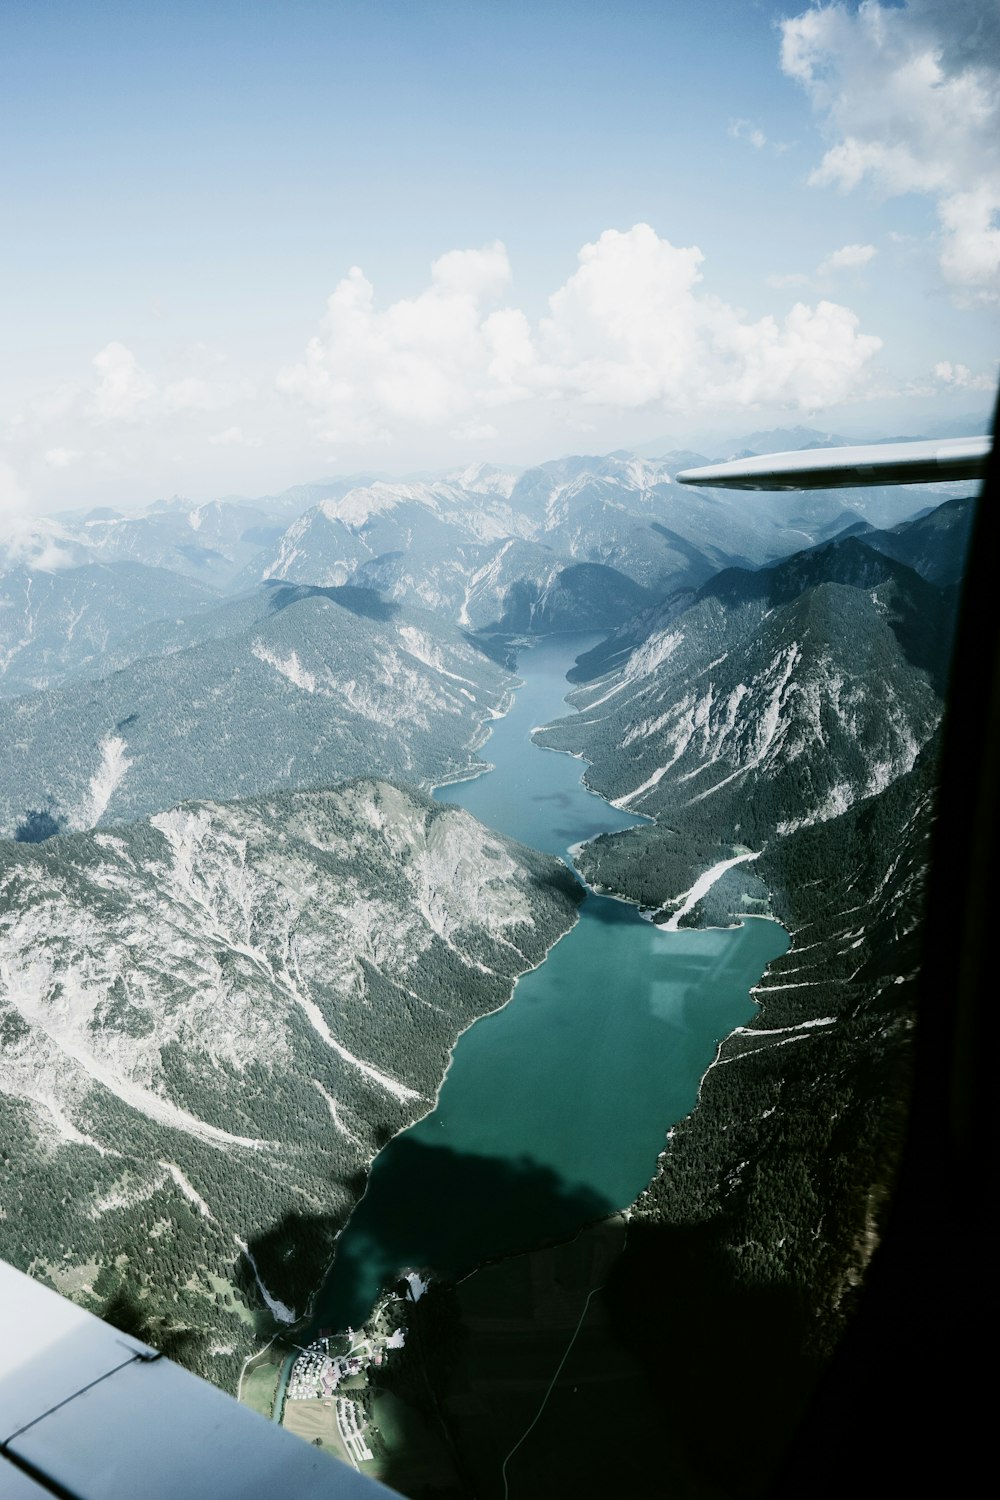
{"x":744,"y":1257}
{"x":212,"y":1019}
{"x":770,"y":701}
{"x":290,"y":687}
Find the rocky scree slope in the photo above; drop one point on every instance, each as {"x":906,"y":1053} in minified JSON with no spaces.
{"x":771,"y":701}
{"x":211,"y":1021}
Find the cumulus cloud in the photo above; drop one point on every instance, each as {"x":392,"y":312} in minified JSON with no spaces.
{"x":910,"y":99}
{"x":631,"y":328}
{"x":960,"y":377}
{"x":427,"y":359}
{"x":847,"y":258}
{"x":124,"y":392}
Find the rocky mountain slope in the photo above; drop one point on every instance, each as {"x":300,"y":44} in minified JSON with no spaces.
{"x":55,"y":623}
{"x":480,"y":546}
{"x":743,"y":1259}
{"x":213,"y":1018}
{"x":294,"y":687}
{"x":771,"y":701}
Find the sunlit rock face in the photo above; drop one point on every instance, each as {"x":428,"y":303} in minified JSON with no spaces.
{"x":213,"y":1018}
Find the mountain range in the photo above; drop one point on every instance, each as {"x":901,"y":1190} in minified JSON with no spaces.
{"x":237,"y":940}
{"x":486,"y":548}
{"x":797,"y":710}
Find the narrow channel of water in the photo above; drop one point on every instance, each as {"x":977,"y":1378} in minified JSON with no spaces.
{"x":555,"y":1108}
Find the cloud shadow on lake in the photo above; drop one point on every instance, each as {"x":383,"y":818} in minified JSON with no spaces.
{"x":430,"y":1206}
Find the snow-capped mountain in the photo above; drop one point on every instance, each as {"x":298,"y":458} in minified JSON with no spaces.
{"x":462,"y":545}
{"x":211,"y":543}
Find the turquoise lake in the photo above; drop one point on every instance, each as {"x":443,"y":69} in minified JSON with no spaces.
{"x":555,"y":1108}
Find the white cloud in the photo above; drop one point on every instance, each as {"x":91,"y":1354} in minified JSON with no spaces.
{"x":847,"y":258}
{"x":23,"y":538}
{"x":910,"y":97}
{"x":234,"y":437}
{"x":62,"y":458}
{"x":474,"y":432}
{"x":426,"y":359}
{"x":960,"y":377}
{"x":631,"y":328}
{"x":13,"y":500}
{"x":123,"y":388}
{"x":743,"y":130}
{"x":782,"y":283}
{"x":746,"y":130}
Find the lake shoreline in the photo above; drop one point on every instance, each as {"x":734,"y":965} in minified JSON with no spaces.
{"x":654,"y":1145}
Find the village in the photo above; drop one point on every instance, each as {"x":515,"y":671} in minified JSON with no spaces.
{"x":324,"y":1398}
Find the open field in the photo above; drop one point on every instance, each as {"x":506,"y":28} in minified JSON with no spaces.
{"x":318,"y":1419}
{"x":259,"y":1386}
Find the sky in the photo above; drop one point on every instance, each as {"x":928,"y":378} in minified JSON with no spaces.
{"x":249,"y":245}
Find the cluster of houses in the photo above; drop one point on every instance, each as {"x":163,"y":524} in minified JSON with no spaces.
{"x":317,"y":1373}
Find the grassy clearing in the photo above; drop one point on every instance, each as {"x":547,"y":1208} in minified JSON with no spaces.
{"x":223,"y":1287}
{"x":259,"y":1386}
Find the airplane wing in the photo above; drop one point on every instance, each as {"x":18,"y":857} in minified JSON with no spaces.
{"x":845,"y":468}
{"x":88,"y":1413}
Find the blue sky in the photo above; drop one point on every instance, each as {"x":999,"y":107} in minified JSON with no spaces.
{"x":187,"y":185}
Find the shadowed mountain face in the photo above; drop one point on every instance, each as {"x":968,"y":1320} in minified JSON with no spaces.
{"x":462,"y":1207}
{"x":934,"y":545}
